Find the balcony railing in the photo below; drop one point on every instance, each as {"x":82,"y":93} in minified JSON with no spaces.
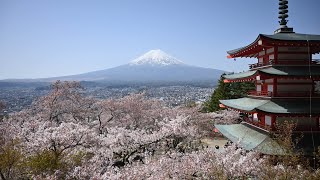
{"x":270,"y":62}
{"x":284,"y":94}
{"x":284,"y":62}
{"x":298,"y":128}
{"x":257,"y":123}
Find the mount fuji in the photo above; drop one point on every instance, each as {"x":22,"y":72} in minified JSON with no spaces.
{"x":156,"y":58}
{"x":153,"y":66}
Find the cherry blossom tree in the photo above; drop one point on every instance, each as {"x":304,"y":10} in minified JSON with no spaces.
{"x":109,"y":133}
{"x":66,"y":135}
{"x":226,"y":117}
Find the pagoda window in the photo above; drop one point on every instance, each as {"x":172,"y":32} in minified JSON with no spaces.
{"x":268,"y":120}
{"x":262,"y":53}
{"x":268,"y":81}
{"x":258,"y":88}
{"x":270,"y":87}
{"x":270,"y":50}
{"x":255,"y":117}
{"x":271,"y":58}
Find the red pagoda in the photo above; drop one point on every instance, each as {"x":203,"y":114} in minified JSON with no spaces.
{"x":285,"y":77}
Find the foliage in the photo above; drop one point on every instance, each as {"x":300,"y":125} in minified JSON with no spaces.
{"x":284,"y":136}
{"x":10,"y":159}
{"x":226,"y":91}
{"x":66,"y":135}
{"x":44,"y":163}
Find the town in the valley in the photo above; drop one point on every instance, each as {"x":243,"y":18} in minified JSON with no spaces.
{"x":18,"y":98}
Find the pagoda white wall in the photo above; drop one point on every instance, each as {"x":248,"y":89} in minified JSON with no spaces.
{"x":271,"y":57}
{"x":265,"y":81}
{"x":270,"y":50}
{"x":268,"y":80}
{"x":270,"y":87}
{"x":268,"y":120}
{"x":258,"y":88}
{"x":261,"y":53}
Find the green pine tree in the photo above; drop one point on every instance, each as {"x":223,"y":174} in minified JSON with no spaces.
{"x":227,"y":91}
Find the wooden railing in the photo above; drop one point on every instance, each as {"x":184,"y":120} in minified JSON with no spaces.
{"x":284,"y":62}
{"x":284,"y":94}
{"x":252,"y":66}
{"x":256,"y":123}
{"x":299,"y":128}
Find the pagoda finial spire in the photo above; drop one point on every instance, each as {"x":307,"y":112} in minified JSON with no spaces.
{"x":283,"y":15}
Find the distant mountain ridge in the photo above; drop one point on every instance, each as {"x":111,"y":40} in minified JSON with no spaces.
{"x":154,"y":65}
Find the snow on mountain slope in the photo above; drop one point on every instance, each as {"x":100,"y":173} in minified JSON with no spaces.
{"x":156,"y":57}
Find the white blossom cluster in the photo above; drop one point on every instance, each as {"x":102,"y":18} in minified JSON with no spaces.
{"x":65,"y":135}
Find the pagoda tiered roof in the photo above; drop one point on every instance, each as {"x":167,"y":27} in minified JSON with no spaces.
{"x":285,"y":77}
{"x":280,"y":39}
{"x":276,"y":106}
{"x":250,"y":138}
{"x":299,"y":72}
{"x":253,"y":138}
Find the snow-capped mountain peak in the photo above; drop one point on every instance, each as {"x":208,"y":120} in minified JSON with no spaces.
{"x":156,"y":57}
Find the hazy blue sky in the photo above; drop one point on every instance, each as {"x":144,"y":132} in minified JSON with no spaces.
{"x":42,"y":38}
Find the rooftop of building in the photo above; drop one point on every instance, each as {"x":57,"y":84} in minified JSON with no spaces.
{"x":282,"y":106}
{"x":279,"y":71}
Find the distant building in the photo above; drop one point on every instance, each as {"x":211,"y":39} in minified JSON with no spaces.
{"x":285,"y":77}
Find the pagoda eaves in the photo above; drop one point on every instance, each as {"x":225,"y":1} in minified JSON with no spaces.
{"x":279,"y":39}
{"x":275,"y":106}
{"x":285,"y":78}
{"x":284,"y":72}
